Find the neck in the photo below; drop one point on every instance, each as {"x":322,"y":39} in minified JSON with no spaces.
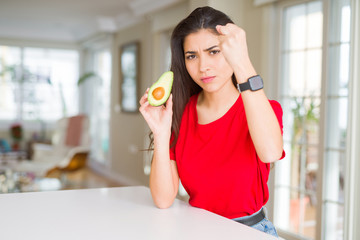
{"x":218,"y":100}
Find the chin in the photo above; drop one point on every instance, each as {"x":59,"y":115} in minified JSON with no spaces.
{"x":210,"y":89}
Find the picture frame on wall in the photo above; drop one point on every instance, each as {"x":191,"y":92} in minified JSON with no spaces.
{"x":129,"y":75}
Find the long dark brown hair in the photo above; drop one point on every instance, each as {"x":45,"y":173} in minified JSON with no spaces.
{"x":184,"y":87}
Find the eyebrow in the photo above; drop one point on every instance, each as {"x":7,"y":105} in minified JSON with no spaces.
{"x":205,"y":50}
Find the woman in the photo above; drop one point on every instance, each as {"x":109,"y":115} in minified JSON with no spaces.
{"x":218,"y":141}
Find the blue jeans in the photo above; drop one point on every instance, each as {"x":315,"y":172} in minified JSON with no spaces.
{"x":264,"y":225}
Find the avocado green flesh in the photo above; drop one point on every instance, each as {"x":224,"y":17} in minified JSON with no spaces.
{"x":166,"y":82}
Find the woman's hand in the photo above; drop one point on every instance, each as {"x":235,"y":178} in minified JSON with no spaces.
{"x":158,"y":118}
{"x":164,"y":177}
{"x":234,"y":48}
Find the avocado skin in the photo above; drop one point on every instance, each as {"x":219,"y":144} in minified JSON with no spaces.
{"x":166,"y":81}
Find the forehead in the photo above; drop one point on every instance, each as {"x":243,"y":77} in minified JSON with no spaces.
{"x":202,"y":39}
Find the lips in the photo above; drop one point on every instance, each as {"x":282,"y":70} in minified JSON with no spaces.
{"x":207,"y":79}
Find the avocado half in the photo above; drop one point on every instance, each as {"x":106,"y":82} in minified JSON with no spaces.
{"x":160,"y":91}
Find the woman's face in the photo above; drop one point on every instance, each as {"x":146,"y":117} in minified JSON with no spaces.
{"x":204,"y":61}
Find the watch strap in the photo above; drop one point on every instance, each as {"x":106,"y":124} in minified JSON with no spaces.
{"x":243,"y":86}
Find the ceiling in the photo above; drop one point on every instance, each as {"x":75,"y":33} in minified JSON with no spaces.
{"x":71,"y":20}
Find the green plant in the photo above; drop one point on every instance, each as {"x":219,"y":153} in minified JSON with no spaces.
{"x":306,"y":118}
{"x":304,"y":113}
{"x":86,"y":76}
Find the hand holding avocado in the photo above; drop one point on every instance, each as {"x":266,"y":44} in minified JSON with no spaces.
{"x":157,"y":115}
{"x":160,"y":91}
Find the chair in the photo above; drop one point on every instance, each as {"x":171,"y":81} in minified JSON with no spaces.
{"x":68,"y":151}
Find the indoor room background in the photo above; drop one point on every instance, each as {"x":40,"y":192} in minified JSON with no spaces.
{"x":97,"y":61}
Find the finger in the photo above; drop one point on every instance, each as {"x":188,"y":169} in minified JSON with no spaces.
{"x":141,"y":109}
{"x":222,"y":30}
{"x":143,"y":99}
{"x":231,"y":26}
{"x":147,"y":116}
{"x":144,"y":107}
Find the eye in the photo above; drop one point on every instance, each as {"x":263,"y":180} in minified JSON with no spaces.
{"x":214,"y":52}
{"x":190,"y":56}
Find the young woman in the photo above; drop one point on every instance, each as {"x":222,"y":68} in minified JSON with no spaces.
{"x":218,"y":141}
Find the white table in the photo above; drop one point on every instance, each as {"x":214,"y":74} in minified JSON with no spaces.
{"x":110,"y":213}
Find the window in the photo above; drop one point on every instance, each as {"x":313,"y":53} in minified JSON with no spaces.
{"x":96,"y":96}
{"x":315,"y":119}
{"x":38,"y":84}
{"x":301,"y":73}
{"x":100,"y":112}
{"x":337,"y":98}
{"x":9,"y":58}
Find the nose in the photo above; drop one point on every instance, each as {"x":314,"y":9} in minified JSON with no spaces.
{"x":204,"y":64}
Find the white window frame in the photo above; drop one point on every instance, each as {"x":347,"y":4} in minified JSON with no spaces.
{"x":352,"y":191}
{"x":352,"y":202}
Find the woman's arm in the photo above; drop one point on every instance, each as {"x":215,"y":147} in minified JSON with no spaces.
{"x":164,"y":178}
{"x":262,"y":122}
{"x":263,"y":126}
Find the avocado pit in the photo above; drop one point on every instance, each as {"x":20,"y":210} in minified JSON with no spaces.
{"x":158,"y":93}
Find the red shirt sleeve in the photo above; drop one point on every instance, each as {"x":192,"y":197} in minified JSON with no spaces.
{"x":279,"y":113}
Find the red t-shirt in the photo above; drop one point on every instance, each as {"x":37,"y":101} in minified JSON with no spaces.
{"x":217,"y":162}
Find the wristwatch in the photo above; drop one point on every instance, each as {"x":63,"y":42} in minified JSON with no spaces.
{"x":254,"y":83}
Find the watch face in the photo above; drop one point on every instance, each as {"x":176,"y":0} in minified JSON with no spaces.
{"x":256,"y":83}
